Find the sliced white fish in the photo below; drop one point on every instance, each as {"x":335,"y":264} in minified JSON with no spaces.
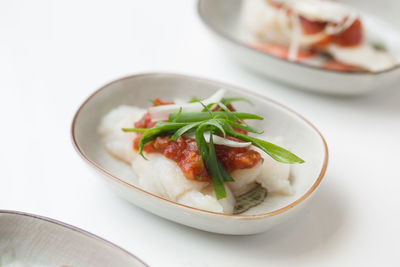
{"x":201,"y":201}
{"x":116,"y":142}
{"x":244,"y":179}
{"x":274,"y":176}
{"x":207,"y":200}
{"x":261,"y":22}
{"x":163,"y":177}
{"x":227,"y":203}
{"x":364,"y":56}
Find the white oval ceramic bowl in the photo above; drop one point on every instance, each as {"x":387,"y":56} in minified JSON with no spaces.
{"x":31,"y":240}
{"x":222,"y":17}
{"x":300,"y":136}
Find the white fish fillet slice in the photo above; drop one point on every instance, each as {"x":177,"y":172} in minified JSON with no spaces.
{"x":244,"y":179}
{"x":259,"y":21}
{"x":227,"y":203}
{"x":364,"y":56}
{"x":162,"y":176}
{"x":274,"y":175}
{"x":201,"y":201}
{"x":119,"y":143}
{"x":207,"y":200}
{"x":270,"y":174}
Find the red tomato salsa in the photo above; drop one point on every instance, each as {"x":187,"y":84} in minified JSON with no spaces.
{"x":185,"y":153}
{"x":311,"y":27}
{"x":351,"y":36}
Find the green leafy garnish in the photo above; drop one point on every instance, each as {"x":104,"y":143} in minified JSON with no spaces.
{"x":229,"y":100}
{"x":178,"y":115}
{"x":194,"y":100}
{"x":379,"y":46}
{"x":136,"y":130}
{"x":202,"y":116}
{"x":221,"y":122}
{"x":225,"y":100}
{"x":276,"y":152}
{"x":155,"y":103}
{"x":250,"y":199}
{"x":185,"y":129}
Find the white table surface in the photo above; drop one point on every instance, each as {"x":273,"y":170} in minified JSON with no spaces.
{"x":54,"y":54}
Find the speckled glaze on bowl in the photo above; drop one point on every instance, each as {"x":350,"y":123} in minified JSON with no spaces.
{"x":222,"y":18}
{"x":32,"y":240}
{"x":300,"y":136}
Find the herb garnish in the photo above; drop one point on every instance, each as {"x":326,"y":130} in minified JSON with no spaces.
{"x":214,"y":122}
{"x":250,"y":199}
{"x":155,"y":103}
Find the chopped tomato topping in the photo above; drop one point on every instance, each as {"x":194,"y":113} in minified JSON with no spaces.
{"x":234,"y":158}
{"x":311,"y":27}
{"x":158,"y":102}
{"x":352,"y":36}
{"x":145,"y":122}
{"x":185,"y":153}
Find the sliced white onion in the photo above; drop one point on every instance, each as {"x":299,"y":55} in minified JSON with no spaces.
{"x":218,"y":140}
{"x":341,"y":27}
{"x":160,"y":113}
{"x":295,"y":38}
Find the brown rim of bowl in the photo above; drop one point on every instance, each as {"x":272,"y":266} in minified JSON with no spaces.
{"x":244,"y":45}
{"x":268,"y":214}
{"x":70,"y":227}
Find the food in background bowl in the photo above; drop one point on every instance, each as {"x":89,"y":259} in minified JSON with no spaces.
{"x":199,"y":154}
{"x":322,"y":33}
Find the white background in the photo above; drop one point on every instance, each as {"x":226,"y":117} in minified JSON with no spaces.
{"x":53,"y":55}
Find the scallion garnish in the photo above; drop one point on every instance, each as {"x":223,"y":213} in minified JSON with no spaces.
{"x":202,"y":116}
{"x":155,"y":103}
{"x":214,"y":122}
{"x":229,"y":100}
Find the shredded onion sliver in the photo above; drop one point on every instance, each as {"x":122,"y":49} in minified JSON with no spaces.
{"x":218,"y":140}
{"x":161,"y":113}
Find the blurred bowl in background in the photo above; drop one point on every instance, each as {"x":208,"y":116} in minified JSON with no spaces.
{"x":222,"y":17}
